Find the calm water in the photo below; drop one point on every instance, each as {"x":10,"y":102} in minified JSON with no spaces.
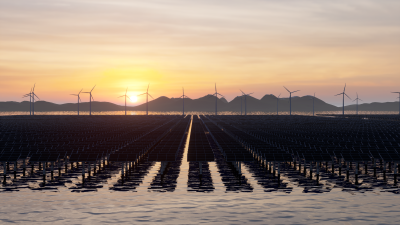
{"x":190,"y":112}
{"x":181,"y":198}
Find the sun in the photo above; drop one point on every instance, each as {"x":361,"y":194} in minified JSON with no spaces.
{"x":133,"y":98}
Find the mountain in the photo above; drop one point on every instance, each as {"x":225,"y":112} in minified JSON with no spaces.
{"x":268,"y":103}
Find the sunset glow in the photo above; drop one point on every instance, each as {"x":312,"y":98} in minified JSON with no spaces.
{"x":256,"y":46}
{"x":134,"y":98}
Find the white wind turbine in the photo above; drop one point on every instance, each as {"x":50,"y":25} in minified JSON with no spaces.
{"x":216,"y":98}
{"x":290,"y":100}
{"x":241,"y":103}
{"x":343,"y":93}
{"x":125,"y":98}
{"x":30,"y":101}
{"x":147,"y":99}
{"x":183,"y":101}
{"x":277,"y":105}
{"x":357,"y":103}
{"x":79,"y":99}
{"x":90,"y":99}
{"x":399,"y":100}
{"x":245,"y":102}
{"x":32,"y":97}
{"x":313,"y":100}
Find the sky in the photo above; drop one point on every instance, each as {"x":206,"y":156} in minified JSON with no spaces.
{"x":254,"y":45}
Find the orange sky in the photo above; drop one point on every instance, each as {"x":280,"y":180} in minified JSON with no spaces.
{"x":257,"y":46}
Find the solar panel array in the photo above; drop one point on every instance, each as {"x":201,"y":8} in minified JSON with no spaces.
{"x":128,"y":146}
{"x":169,"y":148}
{"x":199,"y":147}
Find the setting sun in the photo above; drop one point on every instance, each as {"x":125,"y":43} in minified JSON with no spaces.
{"x":133,"y":98}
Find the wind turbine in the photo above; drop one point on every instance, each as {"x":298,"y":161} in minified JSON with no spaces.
{"x":147,"y":99}
{"x":399,"y":100}
{"x":357,"y":102}
{"x":30,"y":101}
{"x":33,"y":99}
{"x":343,"y":93}
{"x":241,"y":111}
{"x":79,"y":99}
{"x":125,"y":98}
{"x":245,"y":102}
{"x":90,"y":99}
{"x":216,"y":98}
{"x":313,"y":99}
{"x":277,"y":105}
{"x":183,"y":101}
{"x":290,"y":99}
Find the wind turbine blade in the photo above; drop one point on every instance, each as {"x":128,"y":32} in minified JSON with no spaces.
{"x":86,"y":92}
{"x":80,"y":91}
{"x":151,"y":96}
{"x":286,"y":89}
{"x":129,"y":98}
{"x":34,"y":86}
{"x":242,"y":91}
{"x":347,"y":96}
{"x":295,"y":91}
{"x":338,"y":94}
{"x":36,"y":96}
{"x":344,"y":89}
{"x":93,"y":88}
{"x":92,"y":98}
{"x":148,"y":88}
{"x":142,"y":94}
{"x":251,"y":93}
{"x":215,"y":87}
{"x":396,"y":92}
{"x":360,"y":99}
{"x":121,"y":96}
{"x":74,"y":94}
{"x":279,"y":95}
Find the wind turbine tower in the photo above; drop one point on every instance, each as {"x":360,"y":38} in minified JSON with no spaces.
{"x":30,"y":101}
{"x":277,"y":105}
{"x":33,"y":99}
{"x":245,"y":102}
{"x":216,"y":98}
{"x":313,"y":100}
{"x":343,"y":93}
{"x":79,"y":99}
{"x":125,"y":98}
{"x":399,"y":100}
{"x":147,"y":99}
{"x":90,"y":99}
{"x":290,"y":99}
{"x":241,"y":103}
{"x":183,"y":101}
{"x":357,"y":103}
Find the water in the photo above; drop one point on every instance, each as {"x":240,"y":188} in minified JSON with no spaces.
{"x":220,"y":198}
{"x":190,"y":113}
{"x":62,"y":206}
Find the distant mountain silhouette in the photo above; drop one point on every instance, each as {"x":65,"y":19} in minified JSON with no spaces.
{"x":204,"y":104}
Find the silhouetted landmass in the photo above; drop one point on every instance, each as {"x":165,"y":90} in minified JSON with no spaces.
{"x":268,"y":103}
